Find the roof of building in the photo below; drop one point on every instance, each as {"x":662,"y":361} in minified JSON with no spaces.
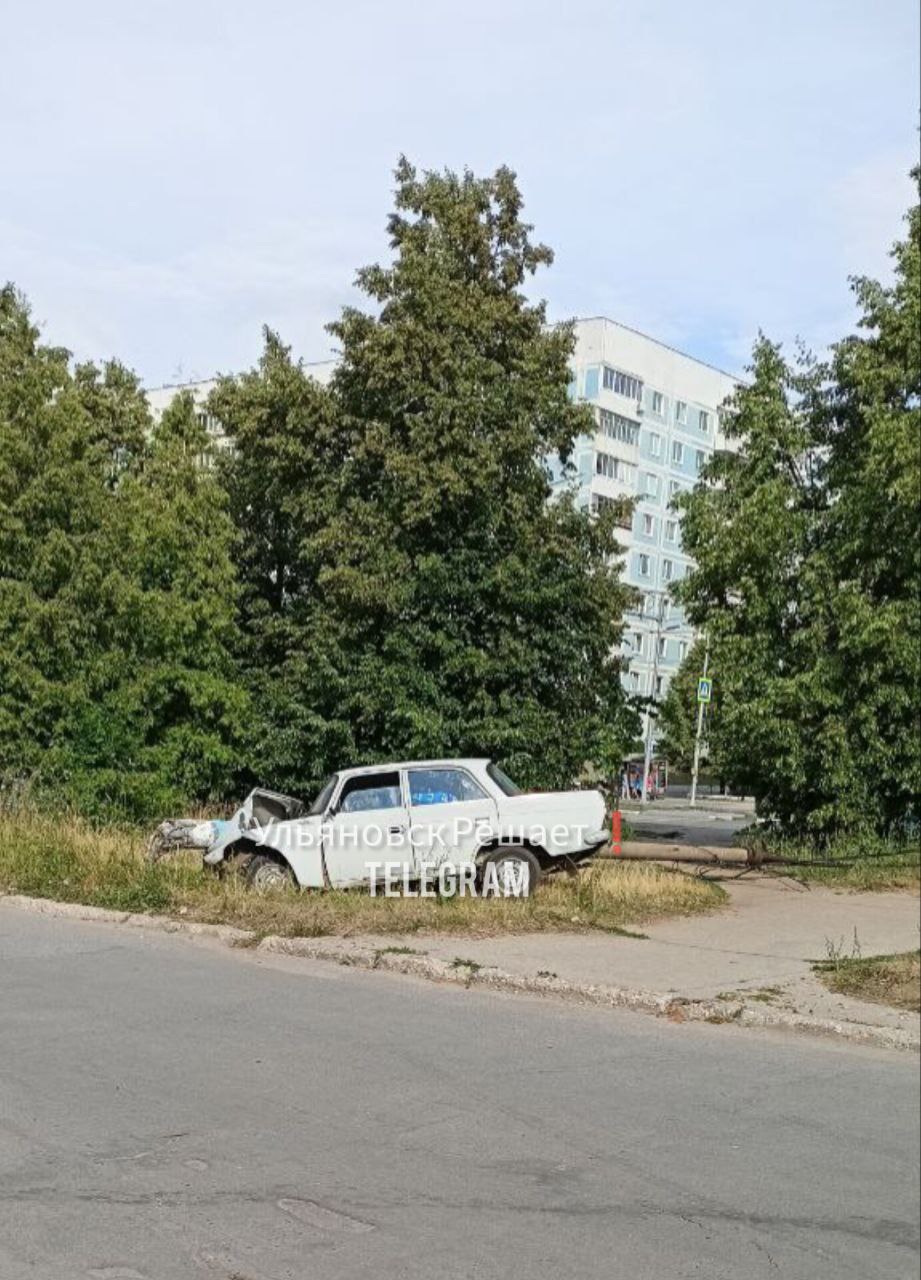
{"x":659,"y":343}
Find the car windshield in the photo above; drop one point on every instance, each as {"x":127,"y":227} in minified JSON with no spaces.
{"x":326,"y":791}
{"x":502,"y":780}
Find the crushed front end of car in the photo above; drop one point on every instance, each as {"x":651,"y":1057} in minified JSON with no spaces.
{"x":215,"y":836}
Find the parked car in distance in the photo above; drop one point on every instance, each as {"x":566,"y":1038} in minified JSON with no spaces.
{"x":410,"y":816}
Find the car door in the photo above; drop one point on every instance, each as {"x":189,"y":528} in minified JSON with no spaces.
{"x":450,"y":814}
{"x":369,"y":825}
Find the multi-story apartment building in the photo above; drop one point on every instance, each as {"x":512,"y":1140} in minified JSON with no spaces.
{"x":656,"y":421}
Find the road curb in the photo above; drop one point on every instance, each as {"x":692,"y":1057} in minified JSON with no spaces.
{"x":458,"y":973}
{"x":105,"y":915}
{"x":674,"y":1008}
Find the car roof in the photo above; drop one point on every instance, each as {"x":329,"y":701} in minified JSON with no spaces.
{"x":453,"y":762}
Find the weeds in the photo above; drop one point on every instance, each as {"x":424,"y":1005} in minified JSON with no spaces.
{"x":894,"y":980}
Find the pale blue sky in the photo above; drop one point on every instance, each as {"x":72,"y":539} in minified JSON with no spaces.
{"x":176,"y":173}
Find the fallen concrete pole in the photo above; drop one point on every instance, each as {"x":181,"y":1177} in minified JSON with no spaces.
{"x":668,"y":851}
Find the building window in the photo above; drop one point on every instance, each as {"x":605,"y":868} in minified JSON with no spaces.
{"x":700,"y":459}
{"x":663,"y":646}
{"x":600,"y":502}
{"x":655,"y":444}
{"x":681,"y":411}
{"x":677,"y":453}
{"x":638,"y":643}
{"x":649,"y":525}
{"x":606,"y":465}
{"x":682,"y":650}
{"x":671,"y":530}
{"x":649,"y":604}
{"x":651,"y":485}
{"x":616,"y":427}
{"x":644,"y":566}
{"x":660,"y":685}
{"x":704,"y":419}
{"x":614,"y":468}
{"x":674,"y":488}
{"x":634,"y":680}
{"x":623,"y":383}
{"x":658,"y":403}
{"x":668,"y":569}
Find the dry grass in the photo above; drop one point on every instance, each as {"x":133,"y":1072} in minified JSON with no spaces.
{"x":894,"y":980}
{"x":68,"y":860}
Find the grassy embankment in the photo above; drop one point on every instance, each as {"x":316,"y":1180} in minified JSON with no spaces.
{"x":857,"y":863}
{"x":68,"y":860}
{"x":894,"y":980}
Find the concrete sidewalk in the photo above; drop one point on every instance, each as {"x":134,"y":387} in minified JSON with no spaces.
{"x":756,"y":954}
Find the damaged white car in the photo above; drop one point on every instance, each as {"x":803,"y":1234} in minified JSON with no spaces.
{"x":399,"y":822}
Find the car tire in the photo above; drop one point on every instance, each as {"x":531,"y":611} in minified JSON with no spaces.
{"x":264,"y":873}
{"x":512,"y":862}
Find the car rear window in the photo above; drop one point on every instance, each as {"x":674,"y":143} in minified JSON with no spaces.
{"x":442,"y":786}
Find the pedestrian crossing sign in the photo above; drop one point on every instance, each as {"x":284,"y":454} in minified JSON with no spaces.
{"x":704,"y":689}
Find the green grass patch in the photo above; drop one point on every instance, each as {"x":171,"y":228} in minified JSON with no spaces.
{"x":894,"y":980}
{"x":859,"y":863}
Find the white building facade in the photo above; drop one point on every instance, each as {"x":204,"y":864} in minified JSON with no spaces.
{"x":656,"y":423}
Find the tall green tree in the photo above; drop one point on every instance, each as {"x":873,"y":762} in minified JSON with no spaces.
{"x":481,"y":617}
{"x":66,"y":439}
{"x":158,"y":725}
{"x":282,"y":478}
{"x":873,"y":439}
{"x":116,"y":589}
{"x":806,"y":536}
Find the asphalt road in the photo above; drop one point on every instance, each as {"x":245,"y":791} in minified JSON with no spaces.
{"x":710,"y":826}
{"x":172,"y":1110}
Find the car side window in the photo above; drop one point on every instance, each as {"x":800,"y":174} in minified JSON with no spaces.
{"x":442,"y":786}
{"x":371,"y":791}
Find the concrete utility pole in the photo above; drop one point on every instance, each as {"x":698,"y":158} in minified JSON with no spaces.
{"x":647,"y":756}
{"x":700,"y":725}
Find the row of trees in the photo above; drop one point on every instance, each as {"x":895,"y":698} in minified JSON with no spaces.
{"x":807,"y":539}
{"x":372,"y":570}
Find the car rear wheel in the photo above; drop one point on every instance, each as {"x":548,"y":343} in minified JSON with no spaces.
{"x":264,"y":873}
{"x":517,"y":872}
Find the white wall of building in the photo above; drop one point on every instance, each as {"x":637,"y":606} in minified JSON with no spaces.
{"x":657,"y":421}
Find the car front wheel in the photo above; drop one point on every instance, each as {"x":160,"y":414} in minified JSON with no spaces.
{"x":265,"y":873}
